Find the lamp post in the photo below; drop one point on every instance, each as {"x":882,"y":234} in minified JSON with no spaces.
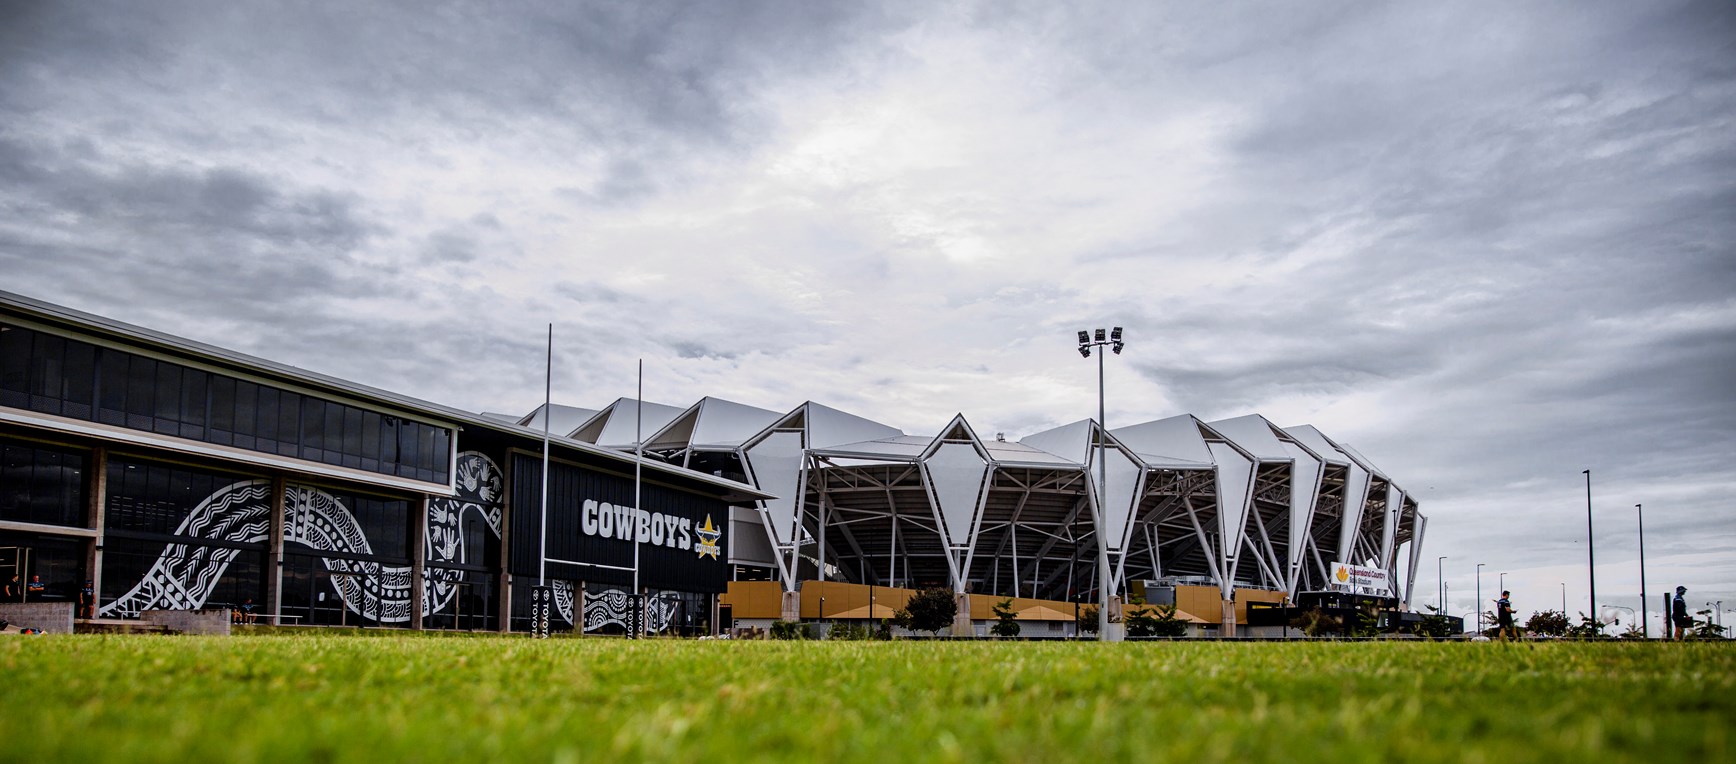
{"x":1563,"y":599}
{"x":1478,"y":605}
{"x":1113,"y":342}
{"x":1645,"y":625}
{"x":1503,"y":582}
{"x":1441,"y":589}
{"x":1590,"y":544}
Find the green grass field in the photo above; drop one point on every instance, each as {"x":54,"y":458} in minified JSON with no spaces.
{"x":408,"y":697}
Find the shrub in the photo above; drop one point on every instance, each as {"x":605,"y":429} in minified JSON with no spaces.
{"x":1316,"y":622}
{"x":1005,"y":625}
{"x":791,"y":630}
{"x":929,"y":610}
{"x":1548,"y":623}
{"x":1087,"y":619}
{"x":848,"y":632}
{"x":1587,"y":628}
{"x":1155,"y":622}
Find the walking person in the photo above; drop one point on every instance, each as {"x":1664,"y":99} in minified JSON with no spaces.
{"x":1679,"y":613}
{"x":1504,"y":618}
{"x":14,"y":590}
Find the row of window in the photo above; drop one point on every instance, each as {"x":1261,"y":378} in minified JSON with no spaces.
{"x":147,"y":497}
{"x":66,"y":377}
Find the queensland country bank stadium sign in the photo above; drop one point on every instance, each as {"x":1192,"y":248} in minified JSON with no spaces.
{"x":593,"y":528}
{"x":1356,"y":579}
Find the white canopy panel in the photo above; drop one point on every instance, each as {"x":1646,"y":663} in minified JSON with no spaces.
{"x":722,"y":423}
{"x":1069,"y":441}
{"x":619,"y":424}
{"x":1254,"y":434}
{"x":1318,"y":443}
{"x":1172,"y":442}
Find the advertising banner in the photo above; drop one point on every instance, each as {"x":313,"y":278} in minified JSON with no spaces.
{"x":1356,"y":579}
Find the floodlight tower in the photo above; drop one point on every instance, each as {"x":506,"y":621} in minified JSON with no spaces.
{"x":1104,"y":589}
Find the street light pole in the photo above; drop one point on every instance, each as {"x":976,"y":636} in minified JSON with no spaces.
{"x":1478,"y":607}
{"x":1104,"y":587}
{"x":1441,"y":584}
{"x":1590,"y":545}
{"x":1563,"y":599}
{"x":1645,"y":625}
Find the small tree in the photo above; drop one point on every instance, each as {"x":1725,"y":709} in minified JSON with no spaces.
{"x":1433,"y":625}
{"x":1587,"y":628}
{"x":1086,"y":621}
{"x":1006,"y":624}
{"x":929,"y":610}
{"x":1159,"y":621}
{"x":1547,"y":623}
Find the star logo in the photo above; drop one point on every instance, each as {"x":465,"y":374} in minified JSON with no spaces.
{"x":708,"y":538}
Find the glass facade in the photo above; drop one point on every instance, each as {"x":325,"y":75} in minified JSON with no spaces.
{"x":56,"y":562}
{"x":42,"y":484}
{"x":66,"y":377}
{"x":365,"y":584}
{"x":153,"y":519}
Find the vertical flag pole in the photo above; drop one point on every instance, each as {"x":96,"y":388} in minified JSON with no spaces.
{"x":541,"y":597}
{"x":638,"y":465}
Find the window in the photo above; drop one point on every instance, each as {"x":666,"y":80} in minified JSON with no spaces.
{"x":112,"y":378}
{"x":51,"y":374}
{"x":222,"y":425}
{"x":289,"y":407}
{"x":352,"y":445}
{"x":141,"y":392}
{"x":194,"y":396}
{"x":78,"y":380}
{"x":45,"y":373}
{"x":14,"y":366}
{"x":40,"y":484}
{"x":313,"y":430}
{"x":168,"y":396}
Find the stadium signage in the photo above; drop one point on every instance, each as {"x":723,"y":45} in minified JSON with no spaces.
{"x":599,"y":529}
{"x":614,"y":521}
{"x":1358,"y":579}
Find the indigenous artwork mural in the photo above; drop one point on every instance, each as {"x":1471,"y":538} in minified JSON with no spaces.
{"x":480,"y":489}
{"x":611,"y":606}
{"x":184,"y":576}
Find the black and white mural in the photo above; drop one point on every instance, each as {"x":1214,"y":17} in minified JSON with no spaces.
{"x":613,"y":607}
{"x":185,"y":575}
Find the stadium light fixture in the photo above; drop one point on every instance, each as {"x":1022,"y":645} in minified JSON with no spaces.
{"x":1103,"y":573}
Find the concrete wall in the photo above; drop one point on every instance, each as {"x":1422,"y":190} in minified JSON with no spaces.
{"x":51,"y":617}
{"x":213,"y":621}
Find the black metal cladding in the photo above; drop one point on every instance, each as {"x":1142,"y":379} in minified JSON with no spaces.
{"x":71,"y":378}
{"x":660,"y":566}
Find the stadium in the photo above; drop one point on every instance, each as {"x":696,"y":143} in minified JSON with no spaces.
{"x":147,"y":475}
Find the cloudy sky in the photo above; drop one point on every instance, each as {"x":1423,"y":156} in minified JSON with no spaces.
{"x":1489,"y":244}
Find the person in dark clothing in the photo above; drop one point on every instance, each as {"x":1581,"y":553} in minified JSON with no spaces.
{"x":1504,"y":618}
{"x":35,"y":587}
{"x":87,"y":600}
{"x":14,"y":590}
{"x":1679,"y":613}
